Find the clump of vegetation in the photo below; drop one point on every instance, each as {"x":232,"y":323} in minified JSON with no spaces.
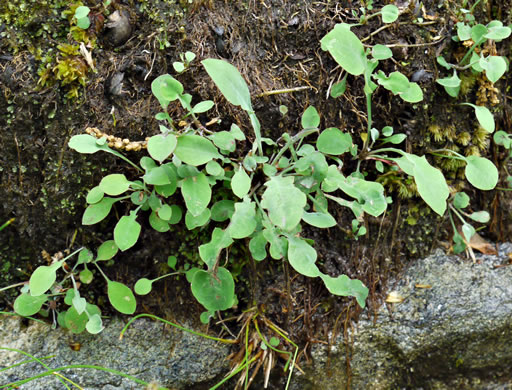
{"x":73,"y":61}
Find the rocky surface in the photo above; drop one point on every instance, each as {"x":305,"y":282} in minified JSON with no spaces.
{"x":455,"y":334}
{"x":453,"y":330}
{"x":148,"y":351}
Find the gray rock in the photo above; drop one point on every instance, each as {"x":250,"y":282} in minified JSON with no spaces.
{"x":119,"y":27}
{"x":148,"y":351}
{"x":455,"y":335}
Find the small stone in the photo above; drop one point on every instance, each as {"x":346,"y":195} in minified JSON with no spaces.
{"x":119,"y":27}
{"x":115,"y":84}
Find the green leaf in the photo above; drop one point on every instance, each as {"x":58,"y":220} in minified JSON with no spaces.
{"x":96,"y":212}
{"x":28,"y":305}
{"x":274,"y":341}
{"x":480,"y":216}
{"x":389,"y":13}
{"x":171,"y":262}
{"x":165,"y":212}
{"x":441,"y":61}
{"x":257,"y":246}
{"x":79,"y":303}
{"x":210,"y":252}
{"x":75,"y":322}
{"x":463,"y":31}
{"x":310,"y":118}
{"x":227,"y":78}
{"x":143,"y":286}
{"x":189,"y":56}
{"x":127,"y":231}
{"x":94,"y":325}
{"x":285,"y":202}
{"x":334,"y":141}
{"x":381,"y":52}
{"x":339,"y":89}
{"x":158,"y":223}
{"x":430,"y":181}
{"x":369,"y":194}
{"x":161,"y":146}
{"x":195,"y":150}
{"x":468,"y":231}
{"x":121,"y":297}
{"x":346,"y":49}
{"x":413,"y":94}
{"x":344,"y":286}
{"x":157,"y":176}
{"x":478,"y":33}
{"x":177,"y":213}
{"x":84,"y":143}
{"x":201,"y":107}
{"x":107,"y":250}
{"x":395,"y":138}
{"x":277,"y":243}
{"x":320,"y":220}
{"x":83,"y":23}
{"x":213,"y":168}
{"x":178,"y":66}
{"x":498,"y":33}
{"x":396,"y":82}
{"x":42,"y":279}
{"x":214,"y":291}
{"x":86,"y":276}
{"x":193,"y":222}
{"x":223,"y":210}
{"x":502,"y":138}
{"x":451,"y":84}
{"x":240,"y":183}
{"x":481,"y":173}
{"x":114,"y":184}
{"x":237,"y":133}
{"x":243,"y":221}
{"x":85,"y":256}
{"x":224,"y":140}
{"x":461,"y":200}
{"x":197,"y":193}
{"x":494,"y":66}
{"x":94,"y":195}
{"x":484,"y":116}
{"x":166,"y":89}
{"x":81,"y":12}
{"x":302,"y":257}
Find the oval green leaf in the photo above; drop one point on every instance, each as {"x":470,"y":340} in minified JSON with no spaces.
{"x":121,"y":297}
{"x":481,"y":173}
{"x":161,"y":146}
{"x":195,"y":150}
{"x":27,"y":305}
{"x":197,"y":193}
{"x":214,"y":292}
{"x":114,"y":184}
{"x":126,"y":232}
{"x":96,"y":212}
{"x":334,"y":141}
{"x":240,"y":183}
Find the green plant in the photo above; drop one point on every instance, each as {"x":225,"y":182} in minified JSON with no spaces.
{"x":7,"y":223}
{"x":350,"y":54}
{"x":82,"y":17}
{"x":267,"y":197}
{"x":493,"y":66}
{"x":186,"y":59}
